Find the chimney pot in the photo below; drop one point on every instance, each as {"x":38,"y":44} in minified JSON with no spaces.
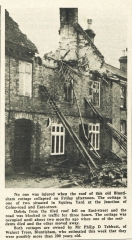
{"x":126,"y":51}
{"x":123,"y":60}
{"x":123,"y":53}
{"x":89,"y":22}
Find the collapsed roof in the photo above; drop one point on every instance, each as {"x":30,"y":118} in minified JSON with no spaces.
{"x":86,"y":36}
{"x":69,"y":17}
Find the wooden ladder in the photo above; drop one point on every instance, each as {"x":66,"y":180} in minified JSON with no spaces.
{"x":82,"y":149}
{"x":120,"y":138}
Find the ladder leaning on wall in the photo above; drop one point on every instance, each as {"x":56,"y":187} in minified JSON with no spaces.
{"x":120,"y":138}
{"x":81,"y":147}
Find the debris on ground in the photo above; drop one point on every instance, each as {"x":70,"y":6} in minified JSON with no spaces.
{"x":112,"y":173}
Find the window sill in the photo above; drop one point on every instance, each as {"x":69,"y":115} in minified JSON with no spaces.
{"x":96,"y":106}
{"x":56,"y":154}
{"x":94,"y":149}
{"x":70,"y":103}
{"x":23,"y":95}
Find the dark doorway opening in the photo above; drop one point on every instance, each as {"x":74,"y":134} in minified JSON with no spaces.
{"x":22,"y":145}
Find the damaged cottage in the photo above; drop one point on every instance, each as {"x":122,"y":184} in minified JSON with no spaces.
{"x":69,"y":106}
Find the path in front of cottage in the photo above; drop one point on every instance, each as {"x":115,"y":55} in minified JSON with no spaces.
{"x":50,"y":180}
{"x":111,"y":174}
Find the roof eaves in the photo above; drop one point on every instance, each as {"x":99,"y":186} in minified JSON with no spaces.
{"x":116,"y":71}
{"x":14,"y":35}
{"x":17,"y":46}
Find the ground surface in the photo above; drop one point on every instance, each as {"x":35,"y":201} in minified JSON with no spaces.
{"x":111,"y":174}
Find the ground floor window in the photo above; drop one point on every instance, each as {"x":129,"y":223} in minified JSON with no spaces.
{"x":57,"y":139}
{"x":94,"y":135}
{"x":92,"y":131}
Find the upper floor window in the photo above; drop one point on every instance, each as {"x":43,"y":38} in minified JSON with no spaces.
{"x":25,"y":78}
{"x":57,"y":139}
{"x":123,"y":97}
{"x":94,"y":93}
{"x":123,"y":127}
{"x":68,"y":89}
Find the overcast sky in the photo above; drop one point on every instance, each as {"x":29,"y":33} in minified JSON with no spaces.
{"x":39,"y":20}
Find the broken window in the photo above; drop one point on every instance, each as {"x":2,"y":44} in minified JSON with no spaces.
{"x":123,"y":97}
{"x":94,"y":93}
{"x":57,"y":139}
{"x":94,"y":135}
{"x":68,"y":89}
{"x":25,"y":78}
{"x":123,"y":127}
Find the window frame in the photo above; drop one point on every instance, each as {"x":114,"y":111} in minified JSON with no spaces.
{"x":92,"y":88}
{"x":97,"y":133}
{"x":25,"y":73}
{"x":123,"y":106}
{"x":66,"y":90}
{"x":57,"y":134}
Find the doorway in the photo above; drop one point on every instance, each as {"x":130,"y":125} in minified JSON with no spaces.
{"x":22,"y":145}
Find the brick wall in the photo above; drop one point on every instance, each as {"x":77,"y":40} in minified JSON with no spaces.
{"x":123,"y":63}
{"x":68,"y":34}
{"x":117,"y":115}
{"x":38,"y":111}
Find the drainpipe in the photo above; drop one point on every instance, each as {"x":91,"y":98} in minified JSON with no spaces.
{"x":9,"y":88}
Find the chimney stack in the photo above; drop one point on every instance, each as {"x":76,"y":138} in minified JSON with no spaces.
{"x":123,"y":61}
{"x":68,"y":34}
{"x":89,"y":31}
{"x":89,"y":22}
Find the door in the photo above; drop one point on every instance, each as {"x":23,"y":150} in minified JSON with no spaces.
{"x":22,"y":145}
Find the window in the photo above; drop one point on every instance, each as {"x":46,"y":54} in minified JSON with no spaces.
{"x":81,"y":132}
{"x":94,"y":135}
{"x":68,"y":89}
{"x":123,"y":127}
{"x":123,"y":97}
{"x":25,"y":78}
{"x":57,"y":139}
{"x":94,"y":93}
{"x":92,"y":131}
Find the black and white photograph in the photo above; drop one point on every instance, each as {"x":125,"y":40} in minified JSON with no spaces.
{"x":65,"y":119}
{"x":65,"y":97}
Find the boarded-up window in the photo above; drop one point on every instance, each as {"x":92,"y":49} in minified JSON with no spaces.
{"x":94,"y":93}
{"x":25,"y":78}
{"x":57,"y":139}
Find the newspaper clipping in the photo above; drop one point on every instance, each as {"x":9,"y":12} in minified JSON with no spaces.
{"x":65,"y":119}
